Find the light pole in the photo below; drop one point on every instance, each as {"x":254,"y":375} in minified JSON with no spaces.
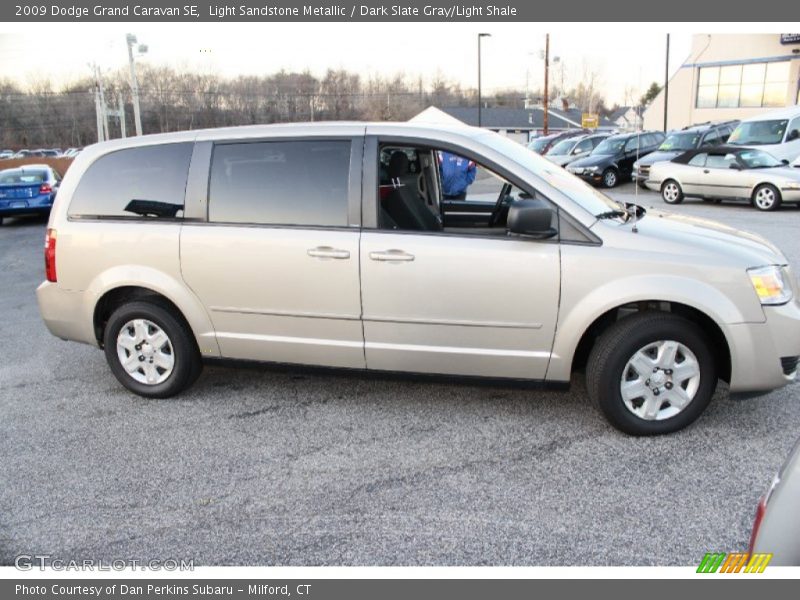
{"x":480,"y":103}
{"x":666,"y":85}
{"x":556,"y":59}
{"x":130,"y":39}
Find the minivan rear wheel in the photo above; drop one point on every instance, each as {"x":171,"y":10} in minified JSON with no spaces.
{"x":151,"y":351}
{"x":651,"y":373}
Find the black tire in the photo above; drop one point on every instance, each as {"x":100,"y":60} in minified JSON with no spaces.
{"x":187,"y":361}
{"x":761,"y":197}
{"x":610,"y":177}
{"x":671,"y":192}
{"x":618,"y":344}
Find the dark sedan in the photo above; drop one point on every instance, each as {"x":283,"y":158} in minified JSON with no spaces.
{"x":612,"y":160}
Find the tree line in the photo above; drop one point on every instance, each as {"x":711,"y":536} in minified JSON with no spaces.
{"x":37,"y":115}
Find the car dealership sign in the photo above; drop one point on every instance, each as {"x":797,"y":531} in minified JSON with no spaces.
{"x":790,"y":38}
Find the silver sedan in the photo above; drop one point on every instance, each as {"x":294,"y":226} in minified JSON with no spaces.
{"x":727,"y":172}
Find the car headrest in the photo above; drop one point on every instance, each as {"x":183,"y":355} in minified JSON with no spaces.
{"x":398,"y":164}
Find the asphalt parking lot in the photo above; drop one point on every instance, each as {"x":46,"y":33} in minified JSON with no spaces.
{"x":258,"y":466}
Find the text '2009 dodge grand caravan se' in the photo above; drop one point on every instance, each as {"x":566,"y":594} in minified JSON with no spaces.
{"x":332,"y":245}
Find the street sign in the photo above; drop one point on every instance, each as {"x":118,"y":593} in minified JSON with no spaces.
{"x":590,"y":120}
{"x":790,"y":38}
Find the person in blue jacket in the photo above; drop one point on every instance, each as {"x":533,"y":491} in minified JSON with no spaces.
{"x":458,"y":173}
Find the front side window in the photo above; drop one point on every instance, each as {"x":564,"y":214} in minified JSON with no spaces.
{"x":698,"y":160}
{"x":750,"y":85}
{"x":148,"y":181}
{"x":720,"y":161}
{"x":280,"y":183}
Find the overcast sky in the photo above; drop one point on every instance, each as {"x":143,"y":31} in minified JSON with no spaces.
{"x":626,"y":56}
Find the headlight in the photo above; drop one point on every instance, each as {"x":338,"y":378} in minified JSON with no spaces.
{"x":770,"y":285}
{"x":592,"y":169}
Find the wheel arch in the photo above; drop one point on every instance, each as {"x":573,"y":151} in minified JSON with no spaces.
{"x":710,"y":328}
{"x":114,"y":288}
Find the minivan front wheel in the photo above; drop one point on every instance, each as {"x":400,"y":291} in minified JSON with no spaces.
{"x":150,"y":351}
{"x":651,"y":373}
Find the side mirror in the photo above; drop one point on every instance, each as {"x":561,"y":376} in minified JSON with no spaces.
{"x":531,"y":218}
{"x":793,"y":135}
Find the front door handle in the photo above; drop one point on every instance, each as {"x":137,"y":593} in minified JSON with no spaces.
{"x":328,"y":252}
{"x":706,"y":171}
{"x":391,"y":256}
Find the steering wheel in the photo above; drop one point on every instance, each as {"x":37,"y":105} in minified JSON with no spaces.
{"x":500,"y":204}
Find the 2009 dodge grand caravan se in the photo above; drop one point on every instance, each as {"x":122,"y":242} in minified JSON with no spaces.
{"x":332,"y":244}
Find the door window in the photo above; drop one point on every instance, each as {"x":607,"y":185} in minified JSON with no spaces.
{"x":280,"y":183}
{"x":720,"y":161}
{"x":698,"y":160}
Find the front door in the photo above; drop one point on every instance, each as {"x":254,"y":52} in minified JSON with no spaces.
{"x":455,"y":299}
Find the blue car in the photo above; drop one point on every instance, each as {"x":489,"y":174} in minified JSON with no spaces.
{"x":27,"y":190}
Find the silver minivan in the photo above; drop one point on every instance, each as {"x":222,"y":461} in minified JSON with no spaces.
{"x":331,"y":245}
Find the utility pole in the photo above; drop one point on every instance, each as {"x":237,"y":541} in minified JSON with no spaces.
{"x":121,"y":114}
{"x":666,"y":86}
{"x":103,"y":107}
{"x":130,"y":40}
{"x":98,"y":111}
{"x":546,"y":78}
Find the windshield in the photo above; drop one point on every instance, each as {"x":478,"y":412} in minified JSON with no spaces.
{"x":539,"y":144}
{"x":562,"y":148}
{"x":758,"y":159}
{"x":609,"y":146}
{"x":680,"y":141}
{"x":576,"y":190}
{"x":759,"y":132}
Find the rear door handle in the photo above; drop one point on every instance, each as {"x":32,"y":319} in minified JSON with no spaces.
{"x":706,"y":171}
{"x":391,"y":256}
{"x":328,"y":252}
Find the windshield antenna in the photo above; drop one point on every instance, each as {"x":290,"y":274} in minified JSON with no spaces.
{"x":639,"y":124}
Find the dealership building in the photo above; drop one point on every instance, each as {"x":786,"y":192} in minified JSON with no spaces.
{"x":730,"y":76}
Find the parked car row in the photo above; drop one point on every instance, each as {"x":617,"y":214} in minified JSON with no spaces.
{"x":40,"y":153}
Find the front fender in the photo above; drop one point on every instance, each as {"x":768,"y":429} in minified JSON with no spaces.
{"x":580,"y":310}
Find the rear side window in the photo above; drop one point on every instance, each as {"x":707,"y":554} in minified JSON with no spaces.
{"x":149,"y":181}
{"x":280,"y":183}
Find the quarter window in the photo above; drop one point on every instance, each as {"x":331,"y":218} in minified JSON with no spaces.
{"x":149,"y":181}
{"x":280,"y":183}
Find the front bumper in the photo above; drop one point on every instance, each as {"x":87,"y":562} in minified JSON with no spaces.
{"x":762,"y":353}
{"x":589,"y":176}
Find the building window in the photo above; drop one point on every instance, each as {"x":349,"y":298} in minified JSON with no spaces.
{"x":734,"y":86}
